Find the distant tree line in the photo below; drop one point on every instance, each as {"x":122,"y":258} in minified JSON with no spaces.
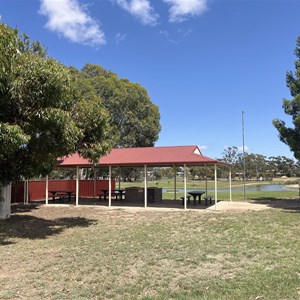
{"x":258,"y":166}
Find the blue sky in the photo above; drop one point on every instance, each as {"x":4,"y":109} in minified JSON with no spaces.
{"x":202,"y":62}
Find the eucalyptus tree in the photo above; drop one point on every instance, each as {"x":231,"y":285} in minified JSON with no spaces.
{"x":233,"y":156}
{"x":256,"y":166}
{"x":291,"y":135}
{"x":42,"y":116}
{"x":135,"y":118}
{"x":202,"y":172}
{"x":282,"y":166}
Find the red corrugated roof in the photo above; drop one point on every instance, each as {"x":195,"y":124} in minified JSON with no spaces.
{"x":155,"y":156}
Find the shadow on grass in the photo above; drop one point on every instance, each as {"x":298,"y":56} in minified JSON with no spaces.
{"x":267,"y":199}
{"x":30,"y":227}
{"x":22,"y":208}
{"x":285,"y":204}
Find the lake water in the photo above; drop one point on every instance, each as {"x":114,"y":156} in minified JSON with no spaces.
{"x":252,"y":188}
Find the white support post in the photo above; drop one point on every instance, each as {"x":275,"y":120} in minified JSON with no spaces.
{"x":77,"y":186}
{"x":145,"y":186}
{"x":47,"y":189}
{"x":119,"y":177}
{"x":27,"y":191}
{"x":206,"y":180}
{"x":109,"y":186}
{"x":94,"y":183}
{"x":216,"y":191}
{"x":230,"y":190}
{"x":185,"y":206}
{"x":175,"y":183}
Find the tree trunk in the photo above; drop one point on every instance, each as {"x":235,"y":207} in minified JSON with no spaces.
{"x":5,"y":201}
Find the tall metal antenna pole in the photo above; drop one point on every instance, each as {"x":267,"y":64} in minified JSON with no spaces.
{"x":244,"y":160}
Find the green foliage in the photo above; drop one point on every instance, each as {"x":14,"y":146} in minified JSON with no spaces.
{"x":232,"y":156}
{"x":42,"y":116}
{"x":134,"y":117}
{"x":281,"y":165}
{"x":259,"y":166}
{"x":13,"y":136}
{"x":49,"y":111}
{"x":288,"y":135}
{"x":92,"y":119}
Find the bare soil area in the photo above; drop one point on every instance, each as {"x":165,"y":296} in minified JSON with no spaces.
{"x":257,"y":205}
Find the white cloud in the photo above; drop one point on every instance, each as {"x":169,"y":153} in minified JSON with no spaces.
{"x":167,"y":36}
{"x":141,"y":9}
{"x":185,"y":33}
{"x":181,"y":9}
{"x":177,"y":37}
{"x":164,"y":33}
{"x":70,"y":19}
{"x":119,"y":37}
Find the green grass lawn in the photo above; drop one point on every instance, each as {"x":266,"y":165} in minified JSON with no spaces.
{"x":169,"y":183}
{"x":198,"y":184}
{"x":94,"y":253}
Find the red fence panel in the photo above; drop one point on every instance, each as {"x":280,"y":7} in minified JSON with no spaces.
{"x":91,"y":188}
{"x":86,"y":188}
{"x":37,"y":188}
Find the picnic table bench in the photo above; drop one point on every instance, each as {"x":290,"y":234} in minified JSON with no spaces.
{"x":208,"y":198}
{"x":118,"y":193}
{"x":188,"y":198}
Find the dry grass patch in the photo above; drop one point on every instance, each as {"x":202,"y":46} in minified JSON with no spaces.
{"x":97,"y":253}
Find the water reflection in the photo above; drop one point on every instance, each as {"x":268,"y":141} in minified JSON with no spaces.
{"x":251,"y":188}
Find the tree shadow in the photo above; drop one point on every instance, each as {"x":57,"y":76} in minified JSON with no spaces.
{"x":23,"y":208}
{"x":267,"y":199}
{"x":30,"y":227}
{"x":292,"y":205}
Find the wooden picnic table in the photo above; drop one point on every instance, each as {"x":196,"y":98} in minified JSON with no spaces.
{"x":61,"y":193}
{"x":196,"y":194}
{"x":117,"y":192}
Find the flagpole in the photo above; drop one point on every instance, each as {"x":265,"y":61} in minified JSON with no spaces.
{"x":244,"y":161}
